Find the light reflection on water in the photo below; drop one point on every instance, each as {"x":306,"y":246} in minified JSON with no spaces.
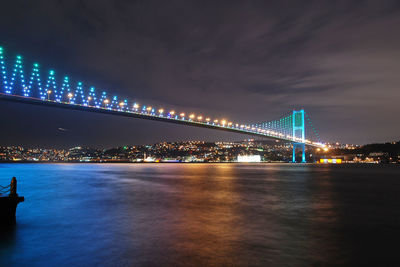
{"x":201,"y":214}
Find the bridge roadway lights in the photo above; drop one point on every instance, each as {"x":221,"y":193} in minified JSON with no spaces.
{"x":33,"y":92}
{"x":303,"y":154}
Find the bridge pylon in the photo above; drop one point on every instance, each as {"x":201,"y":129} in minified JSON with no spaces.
{"x":299,"y":134}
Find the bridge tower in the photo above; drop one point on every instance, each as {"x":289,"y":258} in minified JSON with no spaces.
{"x":299,"y":134}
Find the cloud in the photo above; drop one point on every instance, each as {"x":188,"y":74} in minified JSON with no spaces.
{"x":247,"y":59}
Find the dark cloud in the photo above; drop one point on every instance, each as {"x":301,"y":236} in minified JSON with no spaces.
{"x":248,"y":60}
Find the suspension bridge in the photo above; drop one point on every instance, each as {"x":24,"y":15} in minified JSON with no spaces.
{"x":20,"y":86}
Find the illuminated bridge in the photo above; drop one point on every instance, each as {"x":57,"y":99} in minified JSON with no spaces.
{"x":29,"y":87}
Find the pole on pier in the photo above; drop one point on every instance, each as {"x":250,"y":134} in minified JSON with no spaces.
{"x":13,"y":187}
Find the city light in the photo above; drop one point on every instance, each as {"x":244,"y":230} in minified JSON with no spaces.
{"x":249,"y":158}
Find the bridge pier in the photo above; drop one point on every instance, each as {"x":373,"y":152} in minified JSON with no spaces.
{"x":303,"y":153}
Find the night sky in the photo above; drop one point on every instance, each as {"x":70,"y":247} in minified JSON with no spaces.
{"x":247,"y":61}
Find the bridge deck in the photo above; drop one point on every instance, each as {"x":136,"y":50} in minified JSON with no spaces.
{"x":209,"y":125}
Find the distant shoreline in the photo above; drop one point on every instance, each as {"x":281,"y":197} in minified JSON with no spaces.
{"x":230,"y":162}
{"x":116,"y":162}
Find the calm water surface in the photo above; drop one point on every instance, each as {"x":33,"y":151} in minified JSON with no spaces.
{"x":203,"y":215}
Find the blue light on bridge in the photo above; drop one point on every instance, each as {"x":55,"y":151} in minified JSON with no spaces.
{"x":285,"y":128}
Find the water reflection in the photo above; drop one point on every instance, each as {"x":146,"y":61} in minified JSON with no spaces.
{"x":197,"y":214}
{"x":209,"y":222}
{"x":7,"y":239}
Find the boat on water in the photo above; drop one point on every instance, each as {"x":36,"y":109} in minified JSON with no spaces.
{"x":9,"y":203}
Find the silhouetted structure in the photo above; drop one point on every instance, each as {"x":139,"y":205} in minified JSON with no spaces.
{"x":8,"y":204}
